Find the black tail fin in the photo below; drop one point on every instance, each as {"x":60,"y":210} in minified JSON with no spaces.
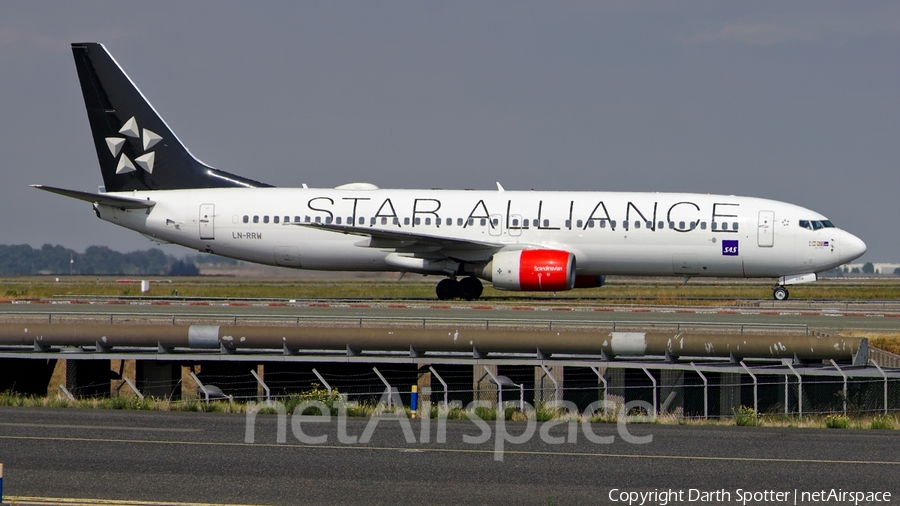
{"x":135,"y":147}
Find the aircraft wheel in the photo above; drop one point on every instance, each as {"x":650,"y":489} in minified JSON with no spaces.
{"x":780,"y":293}
{"x":447,"y":289}
{"x":470,"y":288}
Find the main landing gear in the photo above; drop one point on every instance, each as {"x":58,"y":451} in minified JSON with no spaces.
{"x":469,"y":288}
{"x":780,"y":293}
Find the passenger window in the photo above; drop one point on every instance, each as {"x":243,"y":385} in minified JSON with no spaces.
{"x":681,"y":224}
{"x":516,"y":222}
{"x":265,"y":219}
{"x":661,"y":225}
{"x":287,"y":219}
{"x":702,"y":225}
{"x":568,"y":223}
{"x":483,"y":222}
{"x":637,"y":224}
{"x":417,"y":221}
{"x":715,"y":226}
{"x":495,"y":222}
{"x":649,"y":224}
{"x":306,"y":219}
{"x":276,"y":219}
{"x":362,"y":221}
{"x":396,"y":221}
{"x":524,"y":223}
{"x":591,"y":224}
{"x":256,"y":219}
{"x":296,"y":219}
{"x":459,"y":222}
{"x":724,"y":225}
{"x":246,"y":219}
{"x":535,"y":222}
{"x":602,"y":223}
{"x":328,"y":219}
{"x":734,"y":226}
{"x":579,"y":224}
{"x":448,"y":221}
{"x":428,"y":221}
{"x":693,"y":225}
{"x":625,"y":224}
{"x":546,"y":223}
{"x":318,"y":219}
{"x":612,"y":223}
{"x":338,"y":220}
{"x":471,"y":222}
{"x":406,"y":221}
{"x":672,"y":224}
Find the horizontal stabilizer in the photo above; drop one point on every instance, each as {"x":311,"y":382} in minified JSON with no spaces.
{"x":100,"y":198}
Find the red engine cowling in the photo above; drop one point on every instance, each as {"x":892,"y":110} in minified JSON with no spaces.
{"x":537,"y":270}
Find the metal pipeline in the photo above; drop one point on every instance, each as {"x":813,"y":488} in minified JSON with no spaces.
{"x":476,"y":341}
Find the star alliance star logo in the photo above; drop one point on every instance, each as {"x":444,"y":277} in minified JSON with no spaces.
{"x":148,"y":139}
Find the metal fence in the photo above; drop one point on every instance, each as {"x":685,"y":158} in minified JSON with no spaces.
{"x":707,"y":392}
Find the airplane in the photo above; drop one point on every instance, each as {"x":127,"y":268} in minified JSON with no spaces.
{"x":516,"y":240}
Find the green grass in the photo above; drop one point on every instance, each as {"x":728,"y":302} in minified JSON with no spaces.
{"x":837,"y":422}
{"x":742,"y":417}
{"x":882,"y":422}
{"x":624,"y":290}
{"x":746,"y":417}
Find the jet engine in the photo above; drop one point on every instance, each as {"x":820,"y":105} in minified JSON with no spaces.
{"x":537,"y":270}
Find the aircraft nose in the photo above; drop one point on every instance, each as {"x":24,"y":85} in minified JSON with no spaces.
{"x":852,"y":247}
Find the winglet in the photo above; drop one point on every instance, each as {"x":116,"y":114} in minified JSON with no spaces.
{"x":499,"y":187}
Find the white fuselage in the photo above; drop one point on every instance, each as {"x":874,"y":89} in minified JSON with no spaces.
{"x":608,"y":232}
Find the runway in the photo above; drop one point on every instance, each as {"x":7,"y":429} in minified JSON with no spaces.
{"x":878,"y":317}
{"x":196,"y":457}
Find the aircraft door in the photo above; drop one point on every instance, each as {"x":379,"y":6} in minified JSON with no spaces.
{"x":766,"y":229}
{"x":495,"y":227}
{"x":207,"y":222}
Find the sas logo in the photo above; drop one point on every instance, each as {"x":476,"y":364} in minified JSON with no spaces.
{"x":730,"y":248}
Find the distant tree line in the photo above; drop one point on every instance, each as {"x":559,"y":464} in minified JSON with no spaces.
{"x":867,"y":268}
{"x":23,"y":260}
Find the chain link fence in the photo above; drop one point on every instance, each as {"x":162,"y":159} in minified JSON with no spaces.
{"x":679,"y":392}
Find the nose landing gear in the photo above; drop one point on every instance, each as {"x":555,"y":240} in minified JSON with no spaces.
{"x":780,"y":293}
{"x":469,"y":288}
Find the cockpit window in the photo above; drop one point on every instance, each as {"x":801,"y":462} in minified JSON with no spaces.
{"x":816,"y":224}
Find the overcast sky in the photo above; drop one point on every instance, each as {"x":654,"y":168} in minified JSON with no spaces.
{"x":794,"y":101}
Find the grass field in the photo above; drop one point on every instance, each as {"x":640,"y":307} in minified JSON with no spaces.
{"x":625,"y":290}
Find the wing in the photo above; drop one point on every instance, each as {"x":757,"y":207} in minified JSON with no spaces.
{"x":422,"y":244}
